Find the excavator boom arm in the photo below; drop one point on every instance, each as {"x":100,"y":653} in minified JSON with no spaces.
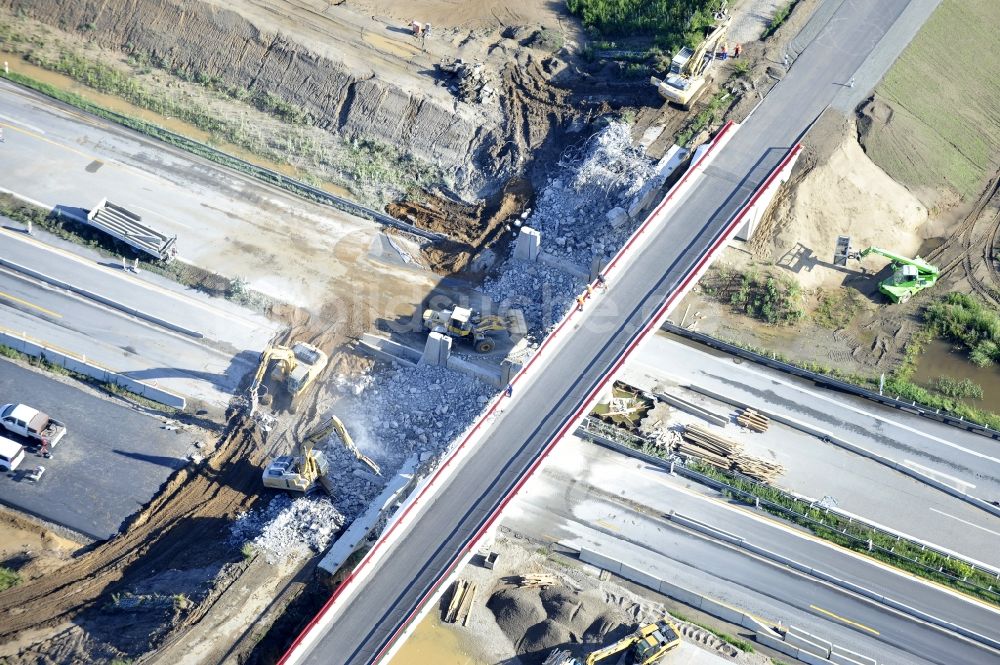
{"x":922,"y":266}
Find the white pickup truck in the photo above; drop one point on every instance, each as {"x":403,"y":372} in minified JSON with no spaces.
{"x":32,"y":424}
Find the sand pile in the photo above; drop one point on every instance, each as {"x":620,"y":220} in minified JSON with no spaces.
{"x":847,"y":194}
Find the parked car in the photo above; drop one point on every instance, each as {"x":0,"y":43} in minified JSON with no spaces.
{"x":11,"y":454}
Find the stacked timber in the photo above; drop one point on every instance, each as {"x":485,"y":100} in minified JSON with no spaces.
{"x":750,"y":419}
{"x":759,"y":469}
{"x":704,"y":444}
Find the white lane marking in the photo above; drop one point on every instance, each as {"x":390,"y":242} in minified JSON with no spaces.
{"x":8,"y":119}
{"x":940,"y":512}
{"x":844,"y":406}
{"x":944,"y":477}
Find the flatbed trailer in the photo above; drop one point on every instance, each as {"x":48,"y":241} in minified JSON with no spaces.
{"x":127,"y":226}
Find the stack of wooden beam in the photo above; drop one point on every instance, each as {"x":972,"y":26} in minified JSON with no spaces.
{"x":750,"y":419}
{"x":462,"y":594}
{"x":705,"y":444}
{"x":758,"y":469}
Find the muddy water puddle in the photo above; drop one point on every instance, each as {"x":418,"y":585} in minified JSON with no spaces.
{"x":939,"y":358}
{"x":119,"y":105}
{"x":435,"y":643}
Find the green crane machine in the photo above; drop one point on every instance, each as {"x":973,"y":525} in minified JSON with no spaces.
{"x":909,"y":276}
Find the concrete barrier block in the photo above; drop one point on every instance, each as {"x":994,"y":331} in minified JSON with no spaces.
{"x":32,"y":349}
{"x":706,"y":529}
{"x":753,"y":624}
{"x":721,"y":611}
{"x":599,"y":560}
{"x":812,"y":659}
{"x":639,"y":576}
{"x":843,"y":656}
{"x":767,"y":554}
{"x":777,"y":644}
{"x":805,"y":644}
{"x":811,"y":637}
{"x":680,"y":594}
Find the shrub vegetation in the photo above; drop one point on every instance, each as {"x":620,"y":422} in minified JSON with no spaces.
{"x":671,"y":22}
{"x":962,"y":318}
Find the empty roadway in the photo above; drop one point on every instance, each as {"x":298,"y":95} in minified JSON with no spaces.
{"x":410,"y":569}
{"x":121,"y":343}
{"x":560,"y":507}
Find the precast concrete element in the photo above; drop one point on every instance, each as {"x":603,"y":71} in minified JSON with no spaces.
{"x":356,"y":534}
{"x":437,"y":350}
{"x":81,"y":365}
{"x":760,"y":206}
{"x":386,"y":349}
{"x":670,"y":162}
{"x":528,"y":244}
{"x":811,"y":649}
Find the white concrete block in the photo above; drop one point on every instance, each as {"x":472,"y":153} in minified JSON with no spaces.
{"x":528,"y":244}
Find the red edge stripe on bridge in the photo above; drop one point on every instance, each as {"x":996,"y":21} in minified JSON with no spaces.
{"x":343,"y":586}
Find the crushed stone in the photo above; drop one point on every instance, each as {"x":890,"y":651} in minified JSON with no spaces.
{"x":288,"y":526}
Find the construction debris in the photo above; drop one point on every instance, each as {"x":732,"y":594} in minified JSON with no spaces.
{"x":469,"y":81}
{"x":750,"y":419}
{"x":571,"y":214}
{"x":533,"y":580}
{"x":288,"y":526}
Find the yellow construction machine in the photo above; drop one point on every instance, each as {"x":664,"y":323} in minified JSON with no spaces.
{"x":464,"y":323}
{"x":687,"y":78}
{"x":296,"y":366}
{"x":643,"y":647}
{"x":307,"y":469}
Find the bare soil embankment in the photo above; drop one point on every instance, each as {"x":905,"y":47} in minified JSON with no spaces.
{"x":336,"y":89}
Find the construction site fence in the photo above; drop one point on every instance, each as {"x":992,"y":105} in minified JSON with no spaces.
{"x":597,"y":431}
{"x":836,"y":384}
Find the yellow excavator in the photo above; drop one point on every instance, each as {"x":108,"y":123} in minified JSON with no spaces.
{"x":296,"y":366}
{"x":686,"y":80}
{"x":643,"y":647}
{"x":464,"y":323}
{"x":308,"y":468}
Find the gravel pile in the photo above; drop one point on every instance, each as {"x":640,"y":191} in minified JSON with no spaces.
{"x":288,"y":526}
{"x":581,"y":215}
{"x":538,"y":620}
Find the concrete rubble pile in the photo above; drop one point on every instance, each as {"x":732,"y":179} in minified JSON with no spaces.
{"x":404,"y":411}
{"x":469,"y":81}
{"x":288,"y":526}
{"x":581,"y":215}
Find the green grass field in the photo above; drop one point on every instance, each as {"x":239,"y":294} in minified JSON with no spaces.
{"x":945,"y":96}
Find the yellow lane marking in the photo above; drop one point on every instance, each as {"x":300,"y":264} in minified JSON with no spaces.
{"x":112,"y":163}
{"x":847,"y":621}
{"x":607,"y":525}
{"x":7,"y":296}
